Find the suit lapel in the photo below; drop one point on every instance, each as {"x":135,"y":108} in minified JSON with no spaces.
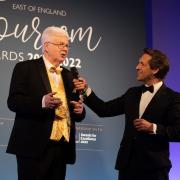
{"x":155,"y":99}
{"x":67,"y":84}
{"x":137,"y":103}
{"x":135,"y":100}
{"x":44,"y":76}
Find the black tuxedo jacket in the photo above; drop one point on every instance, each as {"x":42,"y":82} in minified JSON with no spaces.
{"x":33,"y":124}
{"x":145,"y":151}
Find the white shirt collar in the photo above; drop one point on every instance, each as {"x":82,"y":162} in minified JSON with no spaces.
{"x":47,"y":63}
{"x":157,"y":86}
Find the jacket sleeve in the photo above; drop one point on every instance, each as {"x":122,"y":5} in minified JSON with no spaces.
{"x":21,"y":98}
{"x":171,"y":130}
{"x":105,"y":109}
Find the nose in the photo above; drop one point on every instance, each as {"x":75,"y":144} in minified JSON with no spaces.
{"x":137,"y":66}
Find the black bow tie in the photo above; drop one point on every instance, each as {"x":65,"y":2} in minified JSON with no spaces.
{"x":148,"y":88}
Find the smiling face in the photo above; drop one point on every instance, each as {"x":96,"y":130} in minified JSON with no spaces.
{"x":144,"y":71}
{"x":56,"y":50}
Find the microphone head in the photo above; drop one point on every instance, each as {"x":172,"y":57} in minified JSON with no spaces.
{"x":75,"y":72}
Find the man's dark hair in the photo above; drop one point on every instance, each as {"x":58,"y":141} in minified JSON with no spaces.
{"x":158,"y":60}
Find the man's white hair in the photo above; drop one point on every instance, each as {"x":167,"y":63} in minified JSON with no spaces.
{"x":51,"y":31}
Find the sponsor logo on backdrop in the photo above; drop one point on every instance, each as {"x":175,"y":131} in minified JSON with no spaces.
{"x":89,"y":134}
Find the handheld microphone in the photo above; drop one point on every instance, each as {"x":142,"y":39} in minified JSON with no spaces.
{"x":75,"y":75}
{"x":75,"y":72}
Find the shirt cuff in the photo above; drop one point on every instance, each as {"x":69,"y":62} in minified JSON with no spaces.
{"x":154,"y":128}
{"x":88,"y":91}
{"x":43,"y":102}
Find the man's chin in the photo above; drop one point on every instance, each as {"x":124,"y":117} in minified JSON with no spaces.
{"x":139,"y":79}
{"x":61,"y":60}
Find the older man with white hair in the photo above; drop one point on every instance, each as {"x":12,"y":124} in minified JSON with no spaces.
{"x":41,"y":95}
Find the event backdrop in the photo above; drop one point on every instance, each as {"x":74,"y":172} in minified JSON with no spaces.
{"x":107,"y":38}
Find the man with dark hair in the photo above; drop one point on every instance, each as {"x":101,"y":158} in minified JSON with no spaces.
{"x":152,"y":113}
{"x":158,"y":60}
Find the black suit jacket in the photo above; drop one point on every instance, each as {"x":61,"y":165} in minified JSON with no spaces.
{"x":146,"y":151}
{"x":33,"y":124}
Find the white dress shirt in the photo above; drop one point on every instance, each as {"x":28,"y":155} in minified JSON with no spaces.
{"x":54,"y":76}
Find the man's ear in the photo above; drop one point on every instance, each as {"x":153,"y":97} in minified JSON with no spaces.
{"x":155,"y":71}
{"x":46,"y":46}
